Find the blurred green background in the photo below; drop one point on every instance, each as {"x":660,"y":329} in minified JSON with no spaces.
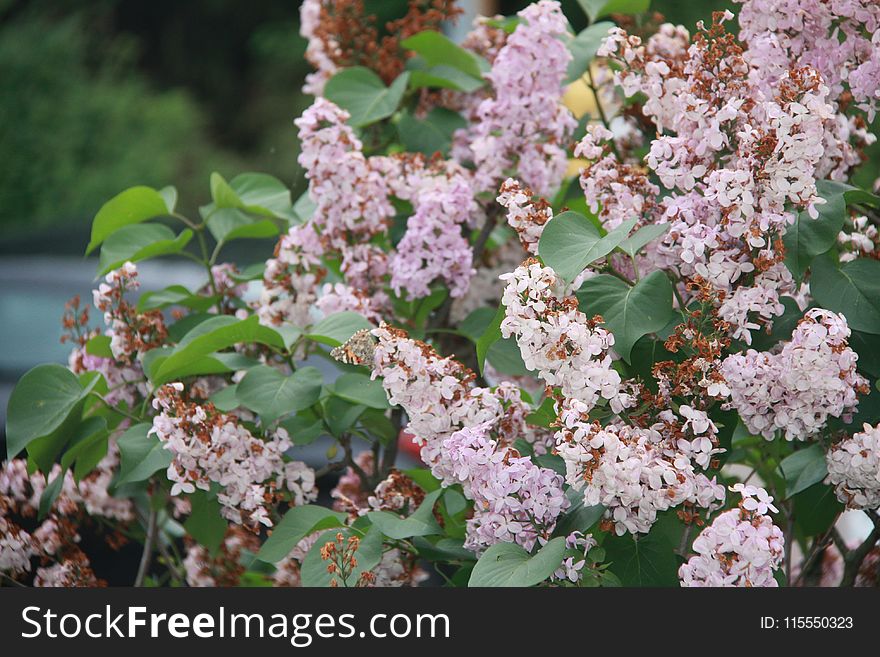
{"x":97,"y":96}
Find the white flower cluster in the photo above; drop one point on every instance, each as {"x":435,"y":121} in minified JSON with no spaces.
{"x":556,"y":340}
{"x":812,"y":378}
{"x":638,"y":472}
{"x":436,"y":393}
{"x":854,"y":469}
{"x":742,"y":547}
{"x":526,"y":216}
{"x":215,"y":448}
{"x":350,"y":195}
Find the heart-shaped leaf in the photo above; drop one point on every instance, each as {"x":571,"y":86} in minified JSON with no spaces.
{"x":629,"y":311}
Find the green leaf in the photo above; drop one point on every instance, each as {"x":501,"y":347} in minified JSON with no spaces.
{"x":213,"y":335}
{"x":335,"y":329}
{"x":803,"y":468}
{"x":584,"y":47}
{"x":430,"y":135}
{"x":437,"y":49}
{"x":544,"y":415}
{"x":423,"y":478}
{"x":174,"y":295}
{"x":263,"y":194}
{"x":169,"y":195}
{"x":816,"y":509}
{"x":256,"y":193}
{"x":597,"y":8}
{"x":508,"y":564}
{"x":808,"y":237}
{"x":570,"y":242}
{"x":132,"y":206}
{"x":489,"y":337}
{"x":360,"y":389}
{"x":271,"y":394}
{"x":227,"y":224}
{"x":296,"y":524}
{"x":99,"y":346}
{"x":377,"y":425}
{"x":629,"y":312}
{"x":440,"y":77}
{"x":852,"y":289}
{"x":648,"y":560}
{"x":50,"y":494}
{"x":504,"y":355}
{"x":304,"y":429}
{"x":140,"y":242}
{"x":87,"y":446}
{"x":369,"y":553}
{"x":41,"y":402}
{"x":578,"y":517}
{"x":420,"y":523}
{"x":340,"y":414}
{"x":217,"y":363}
{"x":445,"y":549}
{"x":362,"y":93}
{"x":476,"y":323}
{"x":225,"y":399}
{"x":867,"y":346}
{"x":641,"y":238}
{"x":205,"y":524}
{"x":141,"y":455}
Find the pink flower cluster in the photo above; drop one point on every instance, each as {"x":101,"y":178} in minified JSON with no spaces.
{"x":838,"y":38}
{"x":434,"y":247}
{"x":291,"y":278}
{"x":515,"y":501}
{"x":637,"y":472}
{"x":558,"y":341}
{"x":572,"y":568}
{"x":742,"y":547}
{"x":854,"y":469}
{"x":55,"y":538}
{"x":210,"y":447}
{"x":523,"y":126}
{"x":614,"y":190}
{"x":316,"y":50}
{"x":452,"y":420}
{"x":813,"y":377}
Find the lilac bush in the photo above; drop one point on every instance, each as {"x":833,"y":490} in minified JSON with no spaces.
{"x":633,"y":346}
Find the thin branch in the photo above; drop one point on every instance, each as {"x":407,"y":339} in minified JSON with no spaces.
{"x":170,"y":561}
{"x":345,"y":441}
{"x":592,"y":85}
{"x":853,"y":560}
{"x":389,"y":456}
{"x":789,"y":533}
{"x":147,"y":554}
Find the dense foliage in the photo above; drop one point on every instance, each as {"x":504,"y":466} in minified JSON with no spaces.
{"x":663,"y":314}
